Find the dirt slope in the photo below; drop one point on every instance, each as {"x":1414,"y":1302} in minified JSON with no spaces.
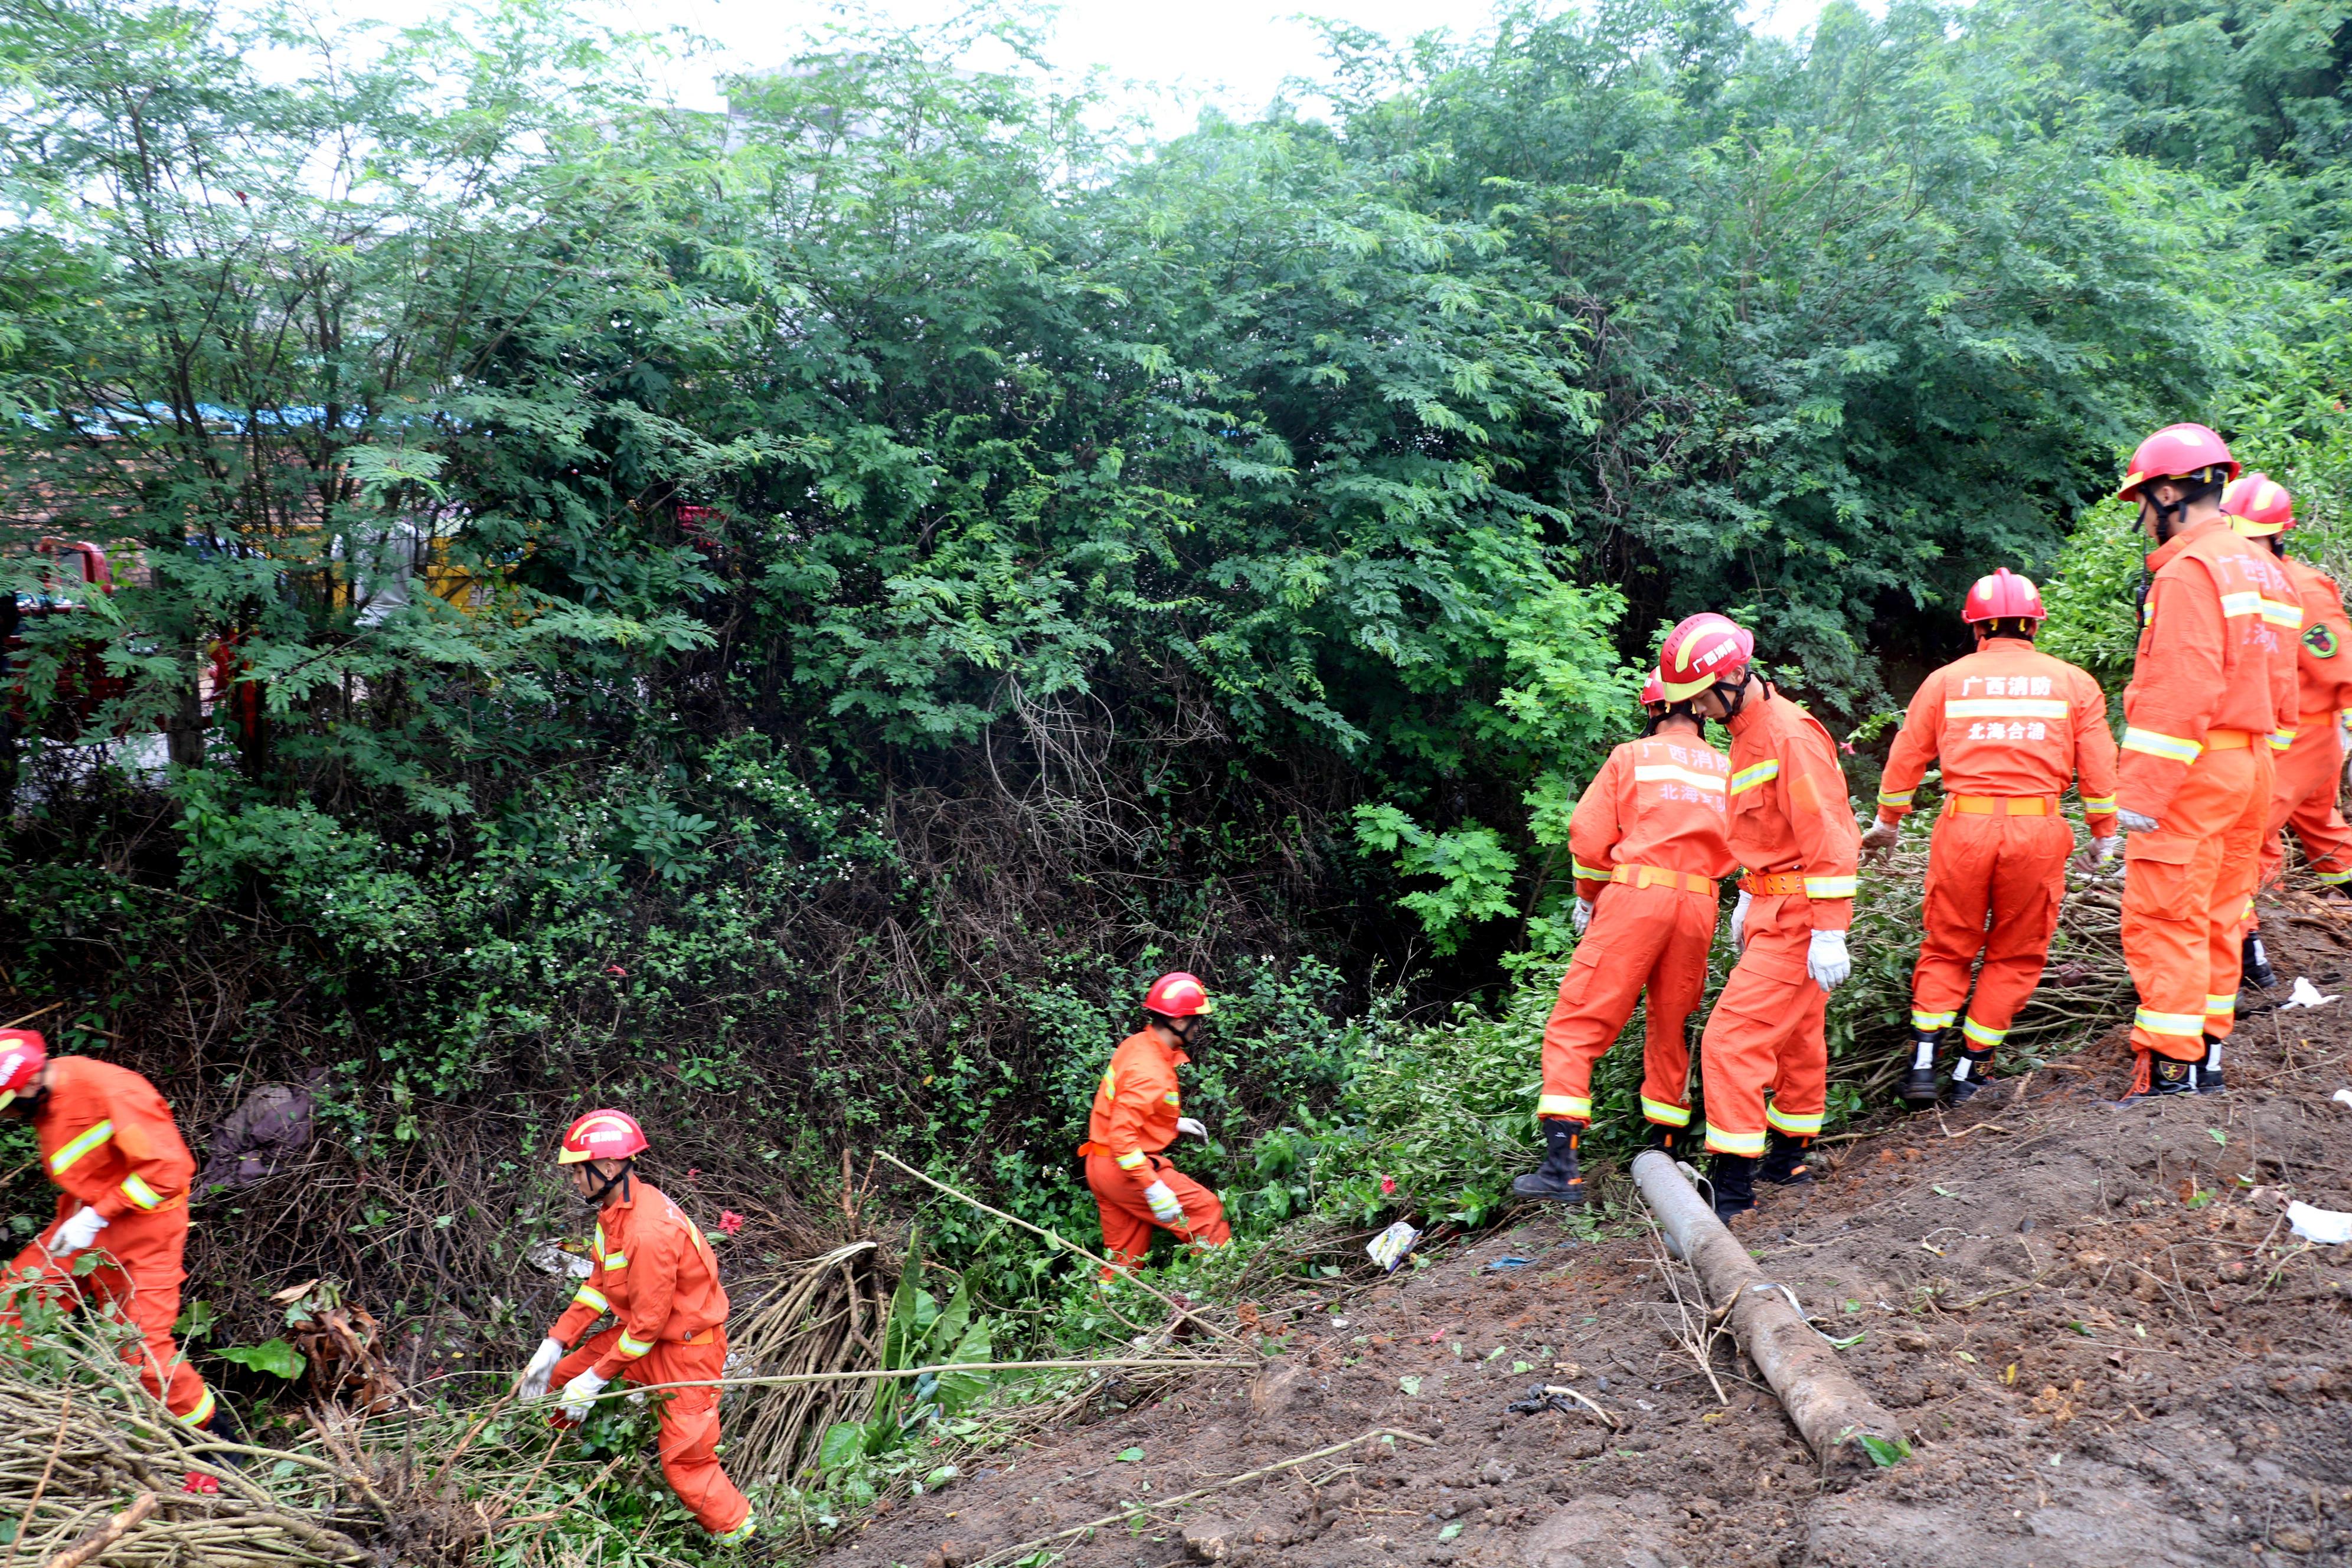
{"x":2094,"y":1320}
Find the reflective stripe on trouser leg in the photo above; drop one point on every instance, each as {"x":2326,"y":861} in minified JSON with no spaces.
{"x":2179,"y":910}
{"x":1765,"y":1034}
{"x":1981,"y":1036}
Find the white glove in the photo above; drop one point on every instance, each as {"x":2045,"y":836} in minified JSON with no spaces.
{"x":1826,"y":959}
{"x":1581,"y":916}
{"x":2133,"y":822}
{"x":78,"y":1230}
{"x":1165,"y":1206}
{"x":1740,"y":922}
{"x":579,"y":1394}
{"x":2108,"y":848}
{"x":542,"y":1365}
{"x":1188,"y":1128}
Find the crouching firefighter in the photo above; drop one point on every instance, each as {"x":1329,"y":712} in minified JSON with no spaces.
{"x":1648,"y":844}
{"x":109,"y":1142}
{"x":1764,"y":1056}
{"x":1136,"y":1116}
{"x":2013,"y":727}
{"x":660,"y":1280}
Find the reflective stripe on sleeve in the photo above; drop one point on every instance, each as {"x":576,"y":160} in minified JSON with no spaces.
{"x":1893,"y":798}
{"x":2103,"y":806}
{"x":1978,"y":1035}
{"x":140,"y":1193}
{"x":62,"y":1161}
{"x":632,"y":1347}
{"x":1575,"y":1107}
{"x":2189,"y":1024}
{"x":1830,"y":886}
{"x":1762,"y":772}
{"x":1665,"y":1115}
{"x":2006,"y":708}
{"x":1795,"y":1126}
{"x":1132,"y":1160}
{"x":1588,"y":873}
{"x":2172,"y":748}
{"x":588,"y":1296}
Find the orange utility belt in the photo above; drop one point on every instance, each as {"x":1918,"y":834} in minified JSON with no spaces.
{"x":1662,"y":877}
{"x":1773,"y":884}
{"x":2001,"y":805}
{"x":2227,"y":740}
{"x":1089,"y":1149}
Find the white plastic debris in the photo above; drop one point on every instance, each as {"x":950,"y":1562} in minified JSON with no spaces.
{"x":2327,"y":1227}
{"x":2344,"y":1096}
{"x":1392,"y":1245}
{"x":550,"y":1259}
{"x":2305,"y":995}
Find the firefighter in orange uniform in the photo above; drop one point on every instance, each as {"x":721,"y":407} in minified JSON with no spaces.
{"x":2013,"y":727}
{"x":2310,"y":765}
{"x":110,"y":1144}
{"x":1763,"y":1058}
{"x":1136,"y":1116}
{"x":660,"y":1280}
{"x":2212,"y":680}
{"x":1647,"y":845}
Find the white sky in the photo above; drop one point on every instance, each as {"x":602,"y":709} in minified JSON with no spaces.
{"x":1166,"y":61}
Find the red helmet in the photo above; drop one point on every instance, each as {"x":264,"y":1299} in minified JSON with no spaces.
{"x":23,"y":1053}
{"x":2258,"y":506}
{"x":2179,"y":451}
{"x":1701,"y":651}
{"x":602,"y":1135}
{"x":1178,"y":995}
{"x":1653,"y":691}
{"x":2003,"y":596}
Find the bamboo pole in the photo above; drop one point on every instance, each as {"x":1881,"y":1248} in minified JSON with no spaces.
{"x":1828,"y":1407}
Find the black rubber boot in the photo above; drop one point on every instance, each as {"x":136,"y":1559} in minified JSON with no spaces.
{"x":1969,"y":1073}
{"x":1556,"y":1178}
{"x":1784,"y":1162}
{"x":2209,"y":1071}
{"x":2165,"y":1077}
{"x":1919,"y":1083}
{"x":1662,"y":1137}
{"x":2254,"y":960}
{"x":1733,"y":1177}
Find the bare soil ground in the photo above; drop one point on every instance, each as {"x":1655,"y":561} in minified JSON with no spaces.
{"x":2094,"y":1320}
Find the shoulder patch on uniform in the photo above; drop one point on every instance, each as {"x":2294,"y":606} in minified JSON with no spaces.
{"x":2322,"y":641}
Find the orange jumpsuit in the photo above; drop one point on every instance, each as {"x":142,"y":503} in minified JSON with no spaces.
{"x":1792,"y":829}
{"x":2212,"y":680}
{"x":2013,"y":727}
{"x":1134,"y":1118}
{"x":1648,"y":844}
{"x":108,"y":1140}
{"x":2310,"y":767}
{"x":658,"y":1278}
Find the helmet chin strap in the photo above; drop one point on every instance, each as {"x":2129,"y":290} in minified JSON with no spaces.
{"x":619,"y":1178}
{"x":1733,"y":698}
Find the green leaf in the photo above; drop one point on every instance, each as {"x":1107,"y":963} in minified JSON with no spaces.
{"x":275,"y":1356}
{"x":1884,"y":1452}
{"x":1130,"y":1456}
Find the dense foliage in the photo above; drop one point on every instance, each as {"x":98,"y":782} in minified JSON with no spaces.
{"x":816,"y":605}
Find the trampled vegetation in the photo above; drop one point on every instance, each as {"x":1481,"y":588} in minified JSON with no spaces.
{"x":785,"y":620}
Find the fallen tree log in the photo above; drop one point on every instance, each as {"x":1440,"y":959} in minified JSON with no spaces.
{"x":1828,"y":1408}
